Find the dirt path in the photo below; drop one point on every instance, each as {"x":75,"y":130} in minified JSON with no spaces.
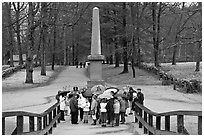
{"x":38,"y":99}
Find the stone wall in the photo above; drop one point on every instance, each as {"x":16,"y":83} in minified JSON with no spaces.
{"x":7,"y":72}
{"x":187,"y":86}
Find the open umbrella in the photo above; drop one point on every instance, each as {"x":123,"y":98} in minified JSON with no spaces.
{"x":120,"y":95}
{"x":97,"y":89}
{"x":111,"y":90}
{"x":105,"y":95}
{"x":63,"y":92}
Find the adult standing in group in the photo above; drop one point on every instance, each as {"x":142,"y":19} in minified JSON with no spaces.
{"x":74,"y":109}
{"x":116,"y":107}
{"x":62,"y":105}
{"x":130,"y":98}
{"x":140,"y":96}
{"x":81,"y":105}
{"x":122,"y":109}
{"x":94,"y":105}
{"x":110,"y":111}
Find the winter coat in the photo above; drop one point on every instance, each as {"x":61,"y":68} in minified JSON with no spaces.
{"x":62,"y":102}
{"x":81,"y":102}
{"x":73,"y":104}
{"x":103,"y":107}
{"x":126,"y":104}
{"x":94,"y":105}
{"x":134,"y":106}
{"x":140,"y":97}
{"x":116,"y":107}
{"x":122,"y":106}
{"x":86,"y":108}
{"x":109,"y":106}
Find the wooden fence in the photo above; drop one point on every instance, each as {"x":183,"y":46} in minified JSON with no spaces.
{"x":145,"y":118}
{"x":44,"y":121}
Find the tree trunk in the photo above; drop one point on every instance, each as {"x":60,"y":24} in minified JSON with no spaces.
{"x":44,"y":37}
{"x":54,"y":37}
{"x":18,"y":34}
{"x":174,"y":52}
{"x":10,"y":30}
{"x":178,"y":31}
{"x":125,"y":54}
{"x":77,"y":52}
{"x":137,"y":38}
{"x":158,"y":36}
{"x":111,"y":59}
{"x":117,"y":58}
{"x":155,"y":34}
{"x":116,"y":42}
{"x":65,"y":49}
{"x":198,"y":58}
{"x":133,"y":55}
{"x":29,"y":57}
{"x":73,"y":47}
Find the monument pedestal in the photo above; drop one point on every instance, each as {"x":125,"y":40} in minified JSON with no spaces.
{"x":92,"y":83}
{"x":95,"y":72}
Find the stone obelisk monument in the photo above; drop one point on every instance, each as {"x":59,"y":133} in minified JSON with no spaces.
{"x":95,"y":58}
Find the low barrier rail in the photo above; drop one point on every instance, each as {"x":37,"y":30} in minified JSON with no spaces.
{"x":44,"y":122}
{"x":145,"y":118}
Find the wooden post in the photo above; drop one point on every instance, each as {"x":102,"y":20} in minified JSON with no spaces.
{"x":54,"y":115}
{"x":150,"y":122}
{"x":45,"y":122}
{"x":167,"y":123}
{"x":3,"y":126}
{"x":199,"y":125}
{"x":58,"y":112}
{"x":158,"y":122}
{"x":31,"y":123}
{"x":140,"y":114}
{"x":50,"y":120}
{"x":145,"y":119}
{"x":180,"y":124}
{"x":39,"y":123}
{"x":19,"y":124}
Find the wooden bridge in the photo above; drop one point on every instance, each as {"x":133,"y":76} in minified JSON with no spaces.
{"x":43,"y":124}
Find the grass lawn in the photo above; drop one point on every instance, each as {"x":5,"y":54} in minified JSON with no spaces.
{"x":112,"y":75}
{"x":185,"y":70}
{"x":17,"y":80}
{"x":181,"y":70}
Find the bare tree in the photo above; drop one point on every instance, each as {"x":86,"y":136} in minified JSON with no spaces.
{"x":44,"y":27}
{"x":30,"y":40}
{"x":19,"y":7}
{"x":10,"y":30}
{"x":125,"y":50}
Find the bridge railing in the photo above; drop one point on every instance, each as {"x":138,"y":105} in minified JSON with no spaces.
{"x":146,"y":117}
{"x":44,"y":121}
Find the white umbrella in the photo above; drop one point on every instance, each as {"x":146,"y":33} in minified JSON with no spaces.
{"x":97,"y":89}
{"x":105,"y":95}
{"x":111,"y":90}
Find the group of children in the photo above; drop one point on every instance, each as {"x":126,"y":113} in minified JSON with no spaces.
{"x":104,"y":110}
{"x":108,"y":111}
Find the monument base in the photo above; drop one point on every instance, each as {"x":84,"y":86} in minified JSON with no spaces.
{"x":92,"y":83}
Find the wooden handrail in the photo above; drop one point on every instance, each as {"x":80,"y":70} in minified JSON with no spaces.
{"x":53,"y":113}
{"x":23,"y":113}
{"x":148,"y":123}
{"x":171,"y":113}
